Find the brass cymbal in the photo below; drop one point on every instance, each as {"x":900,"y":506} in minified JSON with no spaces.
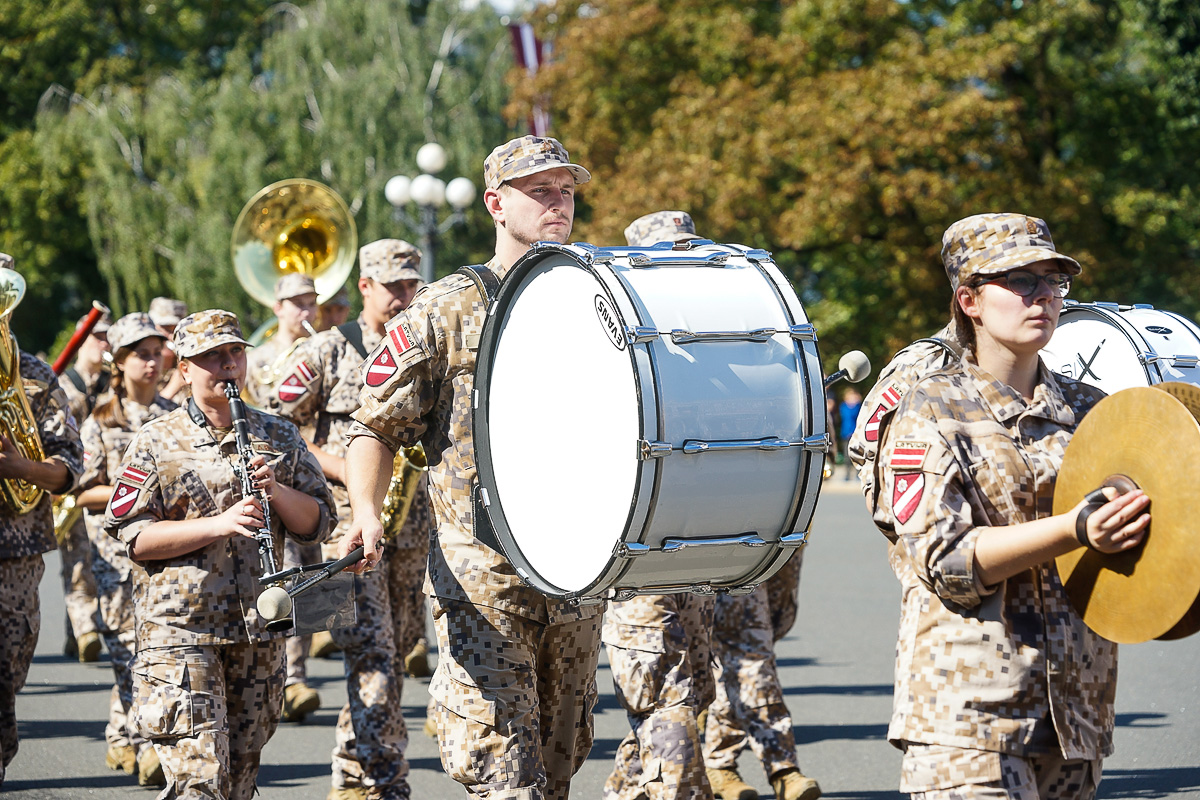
{"x":1150,"y":435}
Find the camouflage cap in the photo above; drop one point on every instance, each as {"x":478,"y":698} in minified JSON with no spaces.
{"x":200,"y":332}
{"x":102,"y":325}
{"x":7,"y":262}
{"x":342,"y":298}
{"x":389,"y":260}
{"x":661,"y":226}
{"x":294,"y":284}
{"x":990,"y":244}
{"x":131,"y":329}
{"x":526,"y":156}
{"x":167,"y":311}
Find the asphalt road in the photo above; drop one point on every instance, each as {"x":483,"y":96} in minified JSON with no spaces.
{"x":835,"y":665}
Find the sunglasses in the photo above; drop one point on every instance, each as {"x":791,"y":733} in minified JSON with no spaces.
{"x":1024,"y":284}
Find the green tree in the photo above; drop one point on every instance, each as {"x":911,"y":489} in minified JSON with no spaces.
{"x":846,"y":135}
{"x":343,"y":92}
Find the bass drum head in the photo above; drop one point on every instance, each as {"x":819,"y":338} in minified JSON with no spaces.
{"x":561,"y":422}
{"x":1097,"y":347}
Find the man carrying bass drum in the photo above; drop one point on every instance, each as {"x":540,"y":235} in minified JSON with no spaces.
{"x":516,"y":678}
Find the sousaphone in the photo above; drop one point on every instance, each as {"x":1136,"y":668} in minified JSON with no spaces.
{"x":1149,"y":435}
{"x":296,"y":225}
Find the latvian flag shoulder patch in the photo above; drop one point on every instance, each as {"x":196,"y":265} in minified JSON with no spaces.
{"x":887,"y":401}
{"x":908,"y":456}
{"x":385,"y":364}
{"x":296,"y":384}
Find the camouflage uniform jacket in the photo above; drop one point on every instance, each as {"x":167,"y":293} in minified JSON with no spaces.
{"x":1001,"y":667}
{"x":418,"y":387}
{"x":319,"y":394}
{"x":258,"y":360}
{"x":906,"y":368}
{"x":82,"y":402}
{"x":104,"y":448}
{"x":33,"y":533}
{"x":177,"y":468}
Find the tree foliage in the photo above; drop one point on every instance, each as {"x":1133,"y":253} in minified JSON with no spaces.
{"x":343,"y":92}
{"x":846,"y":135}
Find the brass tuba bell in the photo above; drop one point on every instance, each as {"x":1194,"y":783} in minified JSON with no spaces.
{"x":16,"y":417}
{"x":295,"y":225}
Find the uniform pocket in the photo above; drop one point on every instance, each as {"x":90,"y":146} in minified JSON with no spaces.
{"x":169,"y":696}
{"x":464,"y":699}
{"x":932,"y":767}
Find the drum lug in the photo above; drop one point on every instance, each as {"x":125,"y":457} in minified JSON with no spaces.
{"x":739,"y":591}
{"x":818,"y":443}
{"x":648,"y":450}
{"x":804,"y":333}
{"x":797,"y":539}
{"x":621,"y":595}
{"x":640,"y":335}
{"x":1181,"y":362}
{"x":745,"y":539}
{"x":703,"y":589}
{"x":583,"y":602}
{"x":630,"y":550}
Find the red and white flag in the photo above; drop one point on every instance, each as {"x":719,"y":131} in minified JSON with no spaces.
{"x":124,"y":497}
{"x":888,"y":400}
{"x":906,"y":495}
{"x":292,"y":389}
{"x":530,"y":52}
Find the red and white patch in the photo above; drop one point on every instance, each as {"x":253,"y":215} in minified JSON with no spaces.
{"x":124,"y":497}
{"x":402,"y":338}
{"x":908,"y":456}
{"x":906,"y":495}
{"x":888,"y":400}
{"x":305,"y":372}
{"x":292,"y":389}
{"x":381,"y":368}
{"x":135,"y":475}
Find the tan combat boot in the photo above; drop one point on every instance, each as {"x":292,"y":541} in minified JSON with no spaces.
{"x":121,"y":757}
{"x":792,"y":784}
{"x":299,"y":701}
{"x":347,"y":793}
{"x":150,"y":771}
{"x":416,"y":663}
{"x":322,"y":645}
{"x":728,"y":785}
{"x":89,"y":647}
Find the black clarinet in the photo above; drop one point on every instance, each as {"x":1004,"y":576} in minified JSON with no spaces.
{"x":241,"y":430}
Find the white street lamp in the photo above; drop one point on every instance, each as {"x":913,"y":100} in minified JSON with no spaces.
{"x":430,"y":194}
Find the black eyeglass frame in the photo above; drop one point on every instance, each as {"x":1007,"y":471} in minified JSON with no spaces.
{"x":1059,"y":283}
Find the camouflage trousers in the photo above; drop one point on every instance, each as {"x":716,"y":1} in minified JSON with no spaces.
{"x":514,"y":700}
{"x":783,"y":596}
{"x":20,"y":622}
{"x":209,"y":711}
{"x":371,"y":736}
{"x":749,"y":707}
{"x":658,"y":648}
{"x":116,"y":617}
{"x":296,"y":647}
{"x":936,"y":772}
{"x":79,"y":587}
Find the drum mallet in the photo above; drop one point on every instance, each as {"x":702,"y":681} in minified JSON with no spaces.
{"x":853,"y":367}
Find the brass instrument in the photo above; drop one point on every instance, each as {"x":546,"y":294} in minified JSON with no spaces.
{"x":16,"y":417}
{"x":408,"y":468}
{"x":67,"y":512}
{"x":271,"y":374}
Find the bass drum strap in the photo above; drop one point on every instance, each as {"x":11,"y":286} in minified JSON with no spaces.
{"x":488,"y":283}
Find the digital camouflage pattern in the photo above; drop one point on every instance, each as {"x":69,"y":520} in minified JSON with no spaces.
{"x":131,"y":329}
{"x":991,"y":244}
{"x":879,"y":406}
{"x":528,"y":155}
{"x":659,"y":652}
{"x":209,"y":711}
{"x":418,"y":387}
{"x":33,"y":533}
{"x":388,"y":261}
{"x":200,"y":332}
{"x":319,"y":394}
{"x":20,"y":623}
{"x":661,"y":226}
{"x":514,"y":699}
{"x":104,"y":447}
{"x":749,"y":708}
{"x":934,"y":772}
{"x":167,"y":311}
{"x":259,"y":361}
{"x":177,"y":467}
{"x":294,"y":284}
{"x":1008,"y":668}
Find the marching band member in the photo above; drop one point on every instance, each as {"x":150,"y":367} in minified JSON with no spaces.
{"x":166,"y":313}
{"x":208,"y":676}
{"x":295,"y":304}
{"x":137,"y":364}
{"x":967,"y":469}
{"x":25,"y":537}
{"x":658,"y":648}
{"x":84,"y":381}
{"x":319,"y":394}
{"x":334,"y":311}
{"x":516,"y":677}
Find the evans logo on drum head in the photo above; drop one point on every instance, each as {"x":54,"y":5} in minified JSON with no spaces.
{"x":1159,"y":329}
{"x":610,"y":322}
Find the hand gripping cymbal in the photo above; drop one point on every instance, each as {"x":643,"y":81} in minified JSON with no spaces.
{"x":1151,"y":435}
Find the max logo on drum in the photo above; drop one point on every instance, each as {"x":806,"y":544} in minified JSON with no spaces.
{"x":612,"y":325}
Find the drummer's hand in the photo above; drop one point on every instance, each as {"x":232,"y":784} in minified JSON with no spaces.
{"x":1121,"y":523}
{"x":367,"y":532}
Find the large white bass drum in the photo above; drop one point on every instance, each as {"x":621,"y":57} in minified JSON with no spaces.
{"x":1115,"y":347}
{"x":648,"y":420}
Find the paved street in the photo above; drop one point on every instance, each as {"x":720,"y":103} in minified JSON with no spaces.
{"x":836,"y":668}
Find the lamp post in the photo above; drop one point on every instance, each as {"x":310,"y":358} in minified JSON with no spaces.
{"x":430,"y":194}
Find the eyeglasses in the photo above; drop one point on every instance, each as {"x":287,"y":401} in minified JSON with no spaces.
{"x":1024,"y":284}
